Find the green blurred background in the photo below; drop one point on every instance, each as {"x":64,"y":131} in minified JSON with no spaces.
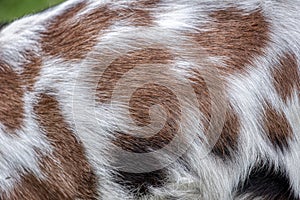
{"x":12,"y":9}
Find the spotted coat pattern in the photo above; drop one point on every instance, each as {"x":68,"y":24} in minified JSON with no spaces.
{"x":151,"y":99}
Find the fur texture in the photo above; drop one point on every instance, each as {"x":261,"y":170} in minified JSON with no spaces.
{"x":151,"y":99}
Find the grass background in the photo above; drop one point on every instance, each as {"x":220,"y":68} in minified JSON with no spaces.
{"x":13,"y":9}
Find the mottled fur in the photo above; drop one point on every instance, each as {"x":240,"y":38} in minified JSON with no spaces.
{"x":151,"y":99}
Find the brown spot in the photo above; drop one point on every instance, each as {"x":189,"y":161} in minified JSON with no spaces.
{"x":235,"y":34}
{"x":286,"y":76}
{"x":228,"y":139}
{"x":11,"y":91}
{"x":204,"y":99}
{"x":122,"y":65}
{"x":33,"y":188}
{"x":11,"y":102}
{"x":277,"y":127}
{"x":67,"y":170}
{"x":139,"y":106}
{"x":73,"y":39}
{"x":32,"y":69}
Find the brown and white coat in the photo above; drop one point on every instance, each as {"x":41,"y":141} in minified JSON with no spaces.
{"x":151,"y":99}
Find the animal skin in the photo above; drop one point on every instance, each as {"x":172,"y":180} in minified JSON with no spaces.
{"x":151,"y":100}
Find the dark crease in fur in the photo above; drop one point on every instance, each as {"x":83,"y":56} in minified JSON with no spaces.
{"x":265,"y":182}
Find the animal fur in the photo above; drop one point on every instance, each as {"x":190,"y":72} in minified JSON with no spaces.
{"x":151,"y":99}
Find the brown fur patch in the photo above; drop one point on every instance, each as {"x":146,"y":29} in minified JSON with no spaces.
{"x":73,"y":39}
{"x":229,"y":136}
{"x":33,"y":188}
{"x":277,"y":127}
{"x":67,"y":171}
{"x":286,"y":76}
{"x":122,"y":65}
{"x":139,"y":106}
{"x":32,"y":69}
{"x":236,"y":35}
{"x":204,"y":99}
{"x":69,"y":38}
{"x":11,"y":102}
